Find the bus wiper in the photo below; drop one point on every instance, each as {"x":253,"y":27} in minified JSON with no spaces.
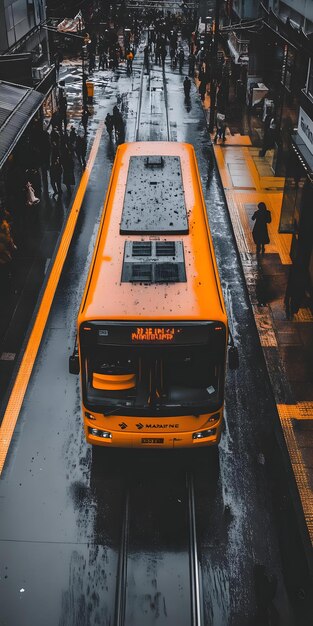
{"x":118,"y":408}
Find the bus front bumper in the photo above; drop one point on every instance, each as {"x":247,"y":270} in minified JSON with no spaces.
{"x":205,"y":437}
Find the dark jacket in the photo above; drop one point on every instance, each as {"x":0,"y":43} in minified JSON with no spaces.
{"x":262,"y":217}
{"x":68,"y":169}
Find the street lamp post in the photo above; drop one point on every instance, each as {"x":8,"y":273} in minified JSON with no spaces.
{"x":214,"y":66}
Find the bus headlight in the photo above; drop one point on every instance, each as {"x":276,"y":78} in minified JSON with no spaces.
{"x":204,"y":433}
{"x":90,"y":416}
{"x":96,"y":432}
{"x":214,"y":418}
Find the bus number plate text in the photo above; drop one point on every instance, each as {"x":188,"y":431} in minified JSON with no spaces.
{"x":152,"y":440}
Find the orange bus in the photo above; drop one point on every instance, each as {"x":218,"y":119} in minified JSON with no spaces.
{"x":152,"y":329}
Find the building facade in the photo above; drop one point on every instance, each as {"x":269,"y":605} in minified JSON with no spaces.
{"x":297,"y":207}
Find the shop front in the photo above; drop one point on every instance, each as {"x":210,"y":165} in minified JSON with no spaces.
{"x":297,"y":207}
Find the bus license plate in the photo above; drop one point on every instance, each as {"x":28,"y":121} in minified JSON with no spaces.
{"x":152,"y":440}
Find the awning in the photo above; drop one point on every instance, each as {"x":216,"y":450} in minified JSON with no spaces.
{"x":303,"y":153}
{"x":18,"y":105}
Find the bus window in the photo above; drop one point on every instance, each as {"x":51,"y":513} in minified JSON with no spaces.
{"x":150,"y":378}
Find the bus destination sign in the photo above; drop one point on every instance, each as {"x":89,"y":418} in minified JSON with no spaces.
{"x":154,"y":334}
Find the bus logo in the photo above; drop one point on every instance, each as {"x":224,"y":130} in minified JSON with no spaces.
{"x":139,"y":426}
{"x":123,"y":425}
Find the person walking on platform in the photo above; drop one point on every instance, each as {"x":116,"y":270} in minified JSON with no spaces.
{"x":163,"y":56}
{"x":85,"y":117}
{"x":118,"y":123}
{"x":129,"y":60}
{"x":220,"y":127}
{"x":109,"y":124}
{"x":192,"y":63}
{"x":181,"y":58}
{"x":261,"y":217}
{"x":72,"y":139}
{"x":81,"y":149}
{"x":63,"y":111}
{"x":56,"y":175}
{"x":202,"y":89}
{"x":187,"y":87}
{"x":68,"y":170}
{"x":146,"y":58}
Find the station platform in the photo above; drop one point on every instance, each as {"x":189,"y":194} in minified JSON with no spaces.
{"x":287,"y":344}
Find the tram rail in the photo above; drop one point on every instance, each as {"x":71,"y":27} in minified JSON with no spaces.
{"x":165,"y":100}
{"x":189,"y":547}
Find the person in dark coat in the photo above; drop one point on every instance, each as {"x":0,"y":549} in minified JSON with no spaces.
{"x":261,"y":217}
{"x":72,"y":139}
{"x":56,"y":174}
{"x":202,"y":89}
{"x":81,"y":149}
{"x":63,"y":110}
{"x":187,"y":87}
{"x":85,"y":116}
{"x":109,"y":124}
{"x":68,"y":169}
{"x":118,"y":123}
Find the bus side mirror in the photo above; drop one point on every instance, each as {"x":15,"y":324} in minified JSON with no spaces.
{"x":233,"y":358}
{"x":73,"y":364}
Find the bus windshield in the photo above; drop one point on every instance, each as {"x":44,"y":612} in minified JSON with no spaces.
{"x":189,"y":378}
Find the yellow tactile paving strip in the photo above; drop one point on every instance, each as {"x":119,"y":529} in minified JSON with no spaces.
{"x":240,"y":204}
{"x":20,"y":386}
{"x":286,"y":414}
{"x":303,"y":315}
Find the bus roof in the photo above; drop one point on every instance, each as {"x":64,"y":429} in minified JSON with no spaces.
{"x":171,"y":211}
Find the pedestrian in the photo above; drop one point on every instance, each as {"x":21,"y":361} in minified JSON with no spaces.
{"x":7,"y":251}
{"x":163,"y":56}
{"x":192,"y":63}
{"x":187,"y":87}
{"x":181,"y":58}
{"x":68,"y":170}
{"x":295,"y":290}
{"x":109,"y":123}
{"x":56,"y":174}
{"x":202,"y":89}
{"x":63,"y":111}
{"x":85,"y":116}
{"x":56,"y":59}
{"x":7,"y":245}
{"x":220,"y":127}
{"x":118,"y":123}
{"x":172,"y":56}
{"x":146,"y":58}
{"x":92,"y":62}
{"x":269,"y":135}
{"x":81,"y":149}
{"x":72,"y":139}
{"x":262,"y":217}
{"x":103,"y":60}
{"x":129,"y":60}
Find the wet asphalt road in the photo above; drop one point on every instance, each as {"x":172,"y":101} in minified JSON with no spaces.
{"x":62,"y":505}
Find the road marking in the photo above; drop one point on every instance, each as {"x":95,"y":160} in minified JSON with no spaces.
{"x":21,"y":382}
